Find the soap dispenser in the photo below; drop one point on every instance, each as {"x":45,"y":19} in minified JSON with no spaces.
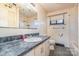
{"x":23,"y":37}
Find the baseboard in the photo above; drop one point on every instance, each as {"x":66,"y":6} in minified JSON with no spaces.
{"x":59,"y":44}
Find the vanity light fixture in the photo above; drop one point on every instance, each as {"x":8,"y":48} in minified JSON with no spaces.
{"x":32,"y":4}
{"x":10,"y":5}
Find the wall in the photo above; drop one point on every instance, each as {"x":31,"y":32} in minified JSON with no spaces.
{"x":9,"y":31}
{"x":78,"y":28}
{"x":42,"y":18}
{"x":71,"y":29}
{"x":74,"y":30}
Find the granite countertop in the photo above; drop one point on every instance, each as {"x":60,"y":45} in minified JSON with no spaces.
{"x":19,"y":47}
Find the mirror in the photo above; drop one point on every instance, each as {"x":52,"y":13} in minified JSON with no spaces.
{"x":20,"y":15}
{"x":28,"y":16}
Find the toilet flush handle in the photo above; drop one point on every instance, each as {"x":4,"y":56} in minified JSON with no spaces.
{"x":61,"y":34}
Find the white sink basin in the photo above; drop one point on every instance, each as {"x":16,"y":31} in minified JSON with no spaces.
{"x":33,"y":39}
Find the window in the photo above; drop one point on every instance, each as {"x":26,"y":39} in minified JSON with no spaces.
{"x":57,"y":20}
{"x":61,"y":21}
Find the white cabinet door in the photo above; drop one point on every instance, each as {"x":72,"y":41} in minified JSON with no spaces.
{"x":3,"y":16}
{"x":13,"y":20}
{"x":47,"y":50}
{"x":30,"y":53}
{"x":38,"y":50}
{"x":43,"y":50}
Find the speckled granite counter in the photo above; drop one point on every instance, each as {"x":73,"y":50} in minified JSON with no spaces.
{"x":19,"y":47}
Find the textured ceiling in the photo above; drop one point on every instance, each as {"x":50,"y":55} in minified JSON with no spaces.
{"x":51,"y":7}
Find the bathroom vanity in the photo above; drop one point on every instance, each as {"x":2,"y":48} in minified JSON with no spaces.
{"x":15,"y":46}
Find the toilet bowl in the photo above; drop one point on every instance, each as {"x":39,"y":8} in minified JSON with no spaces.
{"x":52,"y":43}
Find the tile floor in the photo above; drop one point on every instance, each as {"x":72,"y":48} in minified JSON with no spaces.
{"x":60,"y":51}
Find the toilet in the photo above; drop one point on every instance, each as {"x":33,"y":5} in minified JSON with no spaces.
{"x":51,"y":44}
